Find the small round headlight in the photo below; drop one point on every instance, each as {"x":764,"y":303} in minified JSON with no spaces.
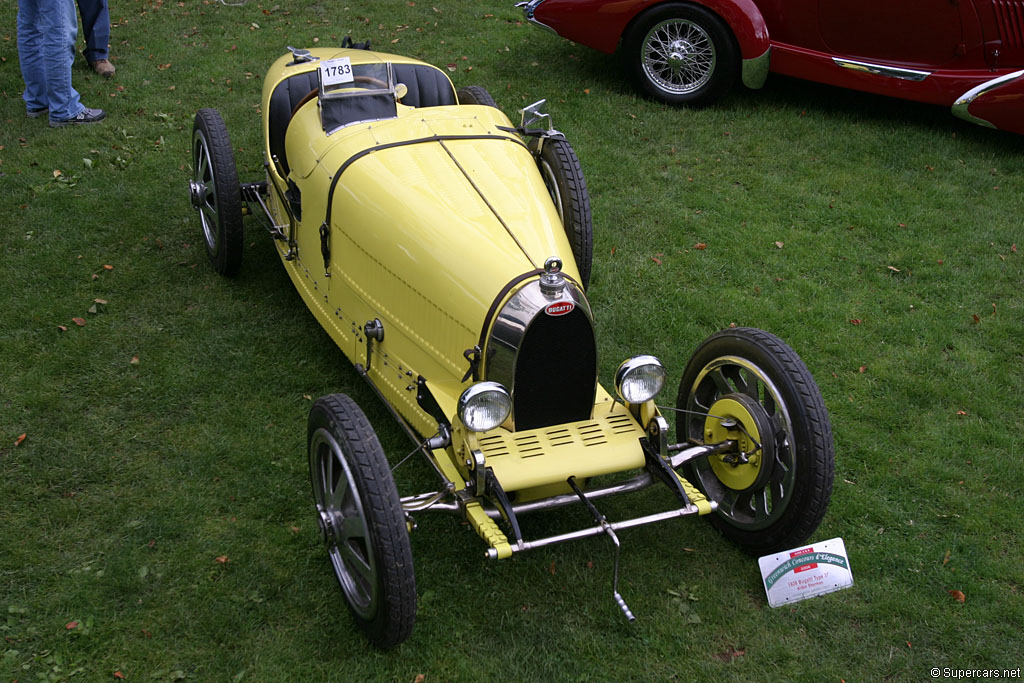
{"x":639,"y":379}
{"x":484,"y":406}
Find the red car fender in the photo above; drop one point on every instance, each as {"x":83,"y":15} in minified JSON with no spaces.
{"x":600,"y":24}
{"x":745,"y":22}
{"x":996,"y":103}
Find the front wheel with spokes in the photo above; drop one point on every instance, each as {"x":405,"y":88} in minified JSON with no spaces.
{"x":773,"y":487}
{"x":361,"y":520}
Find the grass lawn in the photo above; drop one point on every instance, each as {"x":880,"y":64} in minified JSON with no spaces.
{"x":156,"y":521}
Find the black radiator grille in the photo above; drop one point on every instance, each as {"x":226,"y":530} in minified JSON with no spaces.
{"x":556,"y":372}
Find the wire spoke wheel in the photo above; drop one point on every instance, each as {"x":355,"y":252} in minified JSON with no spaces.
{"x":682,"y":53}
{"x":679,"y":56}
{"x":773,"y":487}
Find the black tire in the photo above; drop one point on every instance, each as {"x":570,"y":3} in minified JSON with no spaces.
{"x":777,"y":499}
{"x":682,"y":54}
{"x":215,"y":191}
{"x":475,"y":94}
{"x":361,"y":520}
{"x":563,"y":177}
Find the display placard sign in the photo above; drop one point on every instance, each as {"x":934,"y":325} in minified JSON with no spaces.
{"x":801,"y":573}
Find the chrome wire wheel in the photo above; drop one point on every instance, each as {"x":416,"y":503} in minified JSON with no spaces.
{"x":343,"y":523}
{"x":678,"y":56}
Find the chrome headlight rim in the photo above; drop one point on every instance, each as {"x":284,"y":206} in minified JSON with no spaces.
{"x":477,"y":400}
{"x":639,"y":379}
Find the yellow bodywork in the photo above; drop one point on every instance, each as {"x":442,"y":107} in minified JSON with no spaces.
{"x":423,"y":236}
{"x":407,"y":229}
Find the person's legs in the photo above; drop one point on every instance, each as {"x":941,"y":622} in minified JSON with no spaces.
{"x":58,"y":23}
{"x":95,"y":29}
{"x":30,"y":41}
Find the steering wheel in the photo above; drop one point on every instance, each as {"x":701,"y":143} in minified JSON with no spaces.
{"x":372,"y":81}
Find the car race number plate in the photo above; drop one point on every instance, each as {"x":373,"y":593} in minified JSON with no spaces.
{"x":801,"y":573}
{"x":335,"y":72}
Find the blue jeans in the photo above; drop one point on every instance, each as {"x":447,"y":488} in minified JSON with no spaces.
{"x":47,"y":30}
{"x":95,"y":29}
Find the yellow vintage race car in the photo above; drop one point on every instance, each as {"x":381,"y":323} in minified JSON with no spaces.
{"x":447,"y":251}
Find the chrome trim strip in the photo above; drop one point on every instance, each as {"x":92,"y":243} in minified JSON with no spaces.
{"x":882,"y":69}
{"x":528,"y":10}
{"x":755,"y":70}
{"x":959,"y":107}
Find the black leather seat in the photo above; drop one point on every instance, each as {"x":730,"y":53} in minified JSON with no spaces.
{"x":428,"y":87}
{"x":286,"y":95}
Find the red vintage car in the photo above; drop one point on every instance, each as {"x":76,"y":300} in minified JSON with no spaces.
{"x":964,"y":54}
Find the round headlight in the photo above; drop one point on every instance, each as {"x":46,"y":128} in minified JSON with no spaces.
{"x":639,"y":379}
{"x":484,"y":406}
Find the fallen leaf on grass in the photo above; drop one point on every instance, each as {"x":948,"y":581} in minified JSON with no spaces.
{"x":20,"y":439}
{"x":656,"y":259}
{"x":961,"y":412}
{"x":1013,"y":248}
{"x":958,"y":596}
{"x":134,"y":360}
{"x":855,"y":321}
{"x":107,"y":267}
{"x":975,"y":318}
{"x":71,"y":625}
{"x":223,"y":559}
{"x":118,"y":674}
{"x":419,"y":677}
{"x":700,"y":245}
{"x":79,"y":321}
{"x":552,"y":568}
{"x":730,"y":654}
{"x":101,"y":302}
{"x":945,"y":558}
{"x":893,"y":269}
{"x":780,"y":244}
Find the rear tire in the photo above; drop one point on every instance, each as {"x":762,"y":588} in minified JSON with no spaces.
{"x":475,"y":94}
{"x":215,"y":192}
{"x":563,"y":177}
{"x":361,"y":520}
{"x":776,"y":499}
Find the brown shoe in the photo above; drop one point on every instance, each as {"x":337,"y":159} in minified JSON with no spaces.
{"x":103,"y":67}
